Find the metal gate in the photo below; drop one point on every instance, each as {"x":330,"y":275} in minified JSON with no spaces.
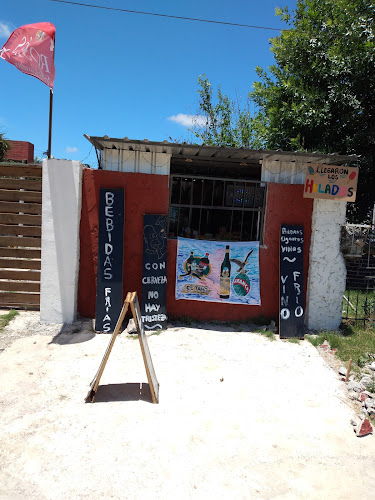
{"x":20,"y":235}
{"x":358,"y":248}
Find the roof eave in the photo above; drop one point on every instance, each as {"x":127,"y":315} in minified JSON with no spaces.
{"x":215,"y":152}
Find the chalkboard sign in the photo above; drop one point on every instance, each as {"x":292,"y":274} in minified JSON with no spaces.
{"x":110,"y":259}
{"x":291,"y":317}
{"x":154,"y":281}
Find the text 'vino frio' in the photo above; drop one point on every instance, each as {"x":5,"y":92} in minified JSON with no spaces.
{"x":291,"y":316}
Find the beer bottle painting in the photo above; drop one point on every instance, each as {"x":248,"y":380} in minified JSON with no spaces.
{"x":189,"y":262}
{"x":204,"y":262}
{"x":225,"y":275}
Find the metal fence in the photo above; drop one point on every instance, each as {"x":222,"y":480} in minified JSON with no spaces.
{"x":358,"y":248}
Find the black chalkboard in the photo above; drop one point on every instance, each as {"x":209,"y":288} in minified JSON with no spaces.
{"x":154,"y":280}
{"x":291,"y":316}
{"x":110,"y":259}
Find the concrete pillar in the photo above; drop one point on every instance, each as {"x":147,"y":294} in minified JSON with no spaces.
{"x":327,"y":272}
{"x":61,"y":213}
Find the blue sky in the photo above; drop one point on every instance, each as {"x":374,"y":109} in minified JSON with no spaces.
{"x":122,"y":74}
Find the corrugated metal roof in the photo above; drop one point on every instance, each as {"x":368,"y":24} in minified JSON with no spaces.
{"x":205,"y":152}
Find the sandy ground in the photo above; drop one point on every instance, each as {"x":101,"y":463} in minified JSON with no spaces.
{"x":240,"y":417}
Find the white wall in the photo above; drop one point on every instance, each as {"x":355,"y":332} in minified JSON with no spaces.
{"x":137,"y":162}
{"x":61,"y":213}
{"x":327,"y":272}
{"x":283,"y":172}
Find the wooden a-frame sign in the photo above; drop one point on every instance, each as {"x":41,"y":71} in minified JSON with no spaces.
{"x":132,"y":301}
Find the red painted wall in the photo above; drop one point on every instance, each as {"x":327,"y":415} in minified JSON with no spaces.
{"x":20,"y":151}
{"x":285,"y":205}
{"x":145,"y":193}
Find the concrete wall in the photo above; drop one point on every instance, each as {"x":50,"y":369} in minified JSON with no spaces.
{"x":327,"y":277}
{"x":61,"y":212}
{"x":145,"y":193}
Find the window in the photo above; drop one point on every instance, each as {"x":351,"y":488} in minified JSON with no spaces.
{"x":216,"y":208}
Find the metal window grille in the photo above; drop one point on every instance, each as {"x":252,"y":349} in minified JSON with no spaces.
{"x":216,"y":208}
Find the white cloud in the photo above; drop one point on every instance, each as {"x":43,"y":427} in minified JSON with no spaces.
{"x":189,"y":120}
{"x":5,"y":30}
{"x":71,"y":150}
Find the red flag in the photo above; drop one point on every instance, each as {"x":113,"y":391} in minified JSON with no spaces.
{"x":31,"y":49}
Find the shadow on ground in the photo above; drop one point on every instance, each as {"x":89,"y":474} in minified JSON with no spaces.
{"x":63,"y":338}
{"x":75,"y":333}
{"x":123,"y":392}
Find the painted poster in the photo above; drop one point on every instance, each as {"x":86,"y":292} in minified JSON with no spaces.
{"x":330,"y":182}
{"x":154,"y":280}
{"x":218,"y":271}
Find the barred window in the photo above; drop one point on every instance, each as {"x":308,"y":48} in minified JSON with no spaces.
{"x":216,"y":208}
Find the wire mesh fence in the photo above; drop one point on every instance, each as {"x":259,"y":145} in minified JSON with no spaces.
{"x":358,"y":248}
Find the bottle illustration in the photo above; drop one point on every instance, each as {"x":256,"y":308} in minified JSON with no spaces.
{"x":194,"y":263}
{"x":204,"y":262}
{"x":225,"y":275}
{"x":189,"y":262}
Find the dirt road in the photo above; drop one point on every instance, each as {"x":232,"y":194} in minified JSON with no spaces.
{"x":239,"y":417}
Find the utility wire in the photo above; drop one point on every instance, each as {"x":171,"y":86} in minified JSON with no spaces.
{"x":81,"y":161}
{"x":166,"y":15}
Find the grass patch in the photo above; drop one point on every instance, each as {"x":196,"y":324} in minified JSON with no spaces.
{"x":267,"y":333}
{"x":187,"y":320}
{"x":5,"y":319}
{"x":270,"y":335}
{"x":293,"y":340}
{"x":359,"y":304}
{"x":313,"y":339}
{"x":135,"y":334}
{"x":355,"y":342}
{"x":260,"y":320}
{"x":156,"y":332}
{"x":371,"y":386}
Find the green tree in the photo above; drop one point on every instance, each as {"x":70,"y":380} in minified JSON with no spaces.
{"x":320,"y":94}
{"x":4,"y":146}
{"x":226,"y":121}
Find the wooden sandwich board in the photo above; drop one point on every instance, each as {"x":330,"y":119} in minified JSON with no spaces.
{"x":151,"y":376}
{"x":132,"y":301}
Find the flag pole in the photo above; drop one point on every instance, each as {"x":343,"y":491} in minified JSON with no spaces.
{"x":43,"y":43}
{"x":50,"y":122}
{"x":51,"y":106}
